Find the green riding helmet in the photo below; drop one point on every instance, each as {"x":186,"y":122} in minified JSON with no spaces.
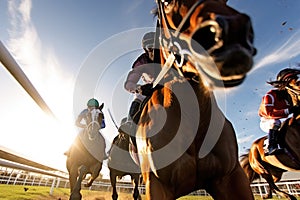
{"x":93,"y":103}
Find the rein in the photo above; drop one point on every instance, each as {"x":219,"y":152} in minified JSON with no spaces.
{"x":170,"y":59}
{"x":91,"y":124}
{"x":294,"y":91}
{"x":94,"y":122}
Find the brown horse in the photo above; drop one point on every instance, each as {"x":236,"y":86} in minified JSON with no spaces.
{"x":184,"y":141}
{"x":86,"y":154}
{"x":271,"y":168}
{"x":121,"y":164}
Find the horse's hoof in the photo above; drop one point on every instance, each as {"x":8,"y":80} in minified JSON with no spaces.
{"x":114,"y":196}
{"x":267,"y":197}
{"x":76,"y":196}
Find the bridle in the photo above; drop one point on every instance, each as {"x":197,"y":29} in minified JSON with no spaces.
{"x":94,"y":123}
{"x":182,"y":48}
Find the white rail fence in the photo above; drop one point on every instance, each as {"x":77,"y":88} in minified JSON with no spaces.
{"x":291,"y":187}
{"x":15,"y":173}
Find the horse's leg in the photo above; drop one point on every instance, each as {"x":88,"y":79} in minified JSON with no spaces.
{"x":95,"y":173}
{"x":136,"y":179}
{"x":113,"y":182}
{"x":273,"y":187}
{"x":76,"y":195}
{"x":234,"y":186}
{"x":156,"y":190}
{"x":73,"y":173}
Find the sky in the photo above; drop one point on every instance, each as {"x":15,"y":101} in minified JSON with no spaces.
{"x":75,"y":50}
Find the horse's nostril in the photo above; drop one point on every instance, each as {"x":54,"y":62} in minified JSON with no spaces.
{"x":237,"y":30}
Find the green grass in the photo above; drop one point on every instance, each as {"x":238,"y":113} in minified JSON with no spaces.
{"x":17,"y":192}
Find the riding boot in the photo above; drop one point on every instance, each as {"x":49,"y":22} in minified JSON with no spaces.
{"x":134,"y":111}
{"x":134,"y":115}
{"x":273,"y":146}
{"x":129,"y":128}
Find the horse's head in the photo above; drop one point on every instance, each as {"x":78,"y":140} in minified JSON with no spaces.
{"x":209,"y":35}
{"x":94,"y":118}
{"x":123,"y":140}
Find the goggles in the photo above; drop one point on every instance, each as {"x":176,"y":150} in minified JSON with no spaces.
{"x":149,"y":48}
{"x":297,"y":80}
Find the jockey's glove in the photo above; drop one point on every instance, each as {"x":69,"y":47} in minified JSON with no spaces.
{"x":294,"y":109}
{"x":146,"y":89}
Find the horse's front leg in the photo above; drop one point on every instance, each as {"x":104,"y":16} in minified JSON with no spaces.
{"x":136,"y":193}
{"x":269,"y":194}
{"x":279,"y":192}
{"x":156,"y":190}
{"x":75,"y":194}
{"x":95,"y":173}
{"x":73,"y":173}
{"x":113,"y":182}
{"x":233,"y":186}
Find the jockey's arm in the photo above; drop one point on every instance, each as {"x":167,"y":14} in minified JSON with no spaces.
{"x":132,"y":80}
{"x":79,"y":120}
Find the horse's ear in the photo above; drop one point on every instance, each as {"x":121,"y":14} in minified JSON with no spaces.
{"x":102,"y":105}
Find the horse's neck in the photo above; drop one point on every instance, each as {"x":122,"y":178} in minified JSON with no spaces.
{"x":123,"y":142}
{"x":205,"y":97}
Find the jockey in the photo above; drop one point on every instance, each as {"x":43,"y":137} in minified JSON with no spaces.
{"x":91,"y":104}
{"x":277,"y":105}
{"x":142,"y":69}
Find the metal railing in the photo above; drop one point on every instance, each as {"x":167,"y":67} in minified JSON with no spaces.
{"x":15,"y":174}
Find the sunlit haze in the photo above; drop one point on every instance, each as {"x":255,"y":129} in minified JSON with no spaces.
{"x":53,"y":41}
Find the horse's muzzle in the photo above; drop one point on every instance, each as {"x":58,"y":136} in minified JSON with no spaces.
{"x":235,"y":56}
{"x":229,"y":41}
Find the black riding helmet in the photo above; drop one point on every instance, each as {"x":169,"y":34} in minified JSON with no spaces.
{"x":148,"y":40}
{"x":284,"y":77}
{"x":288,"y":74}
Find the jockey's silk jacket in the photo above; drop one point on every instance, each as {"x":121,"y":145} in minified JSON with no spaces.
{"x":273,"y":107}
{"x":142,"y":69}
{"x":83,"y":116}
